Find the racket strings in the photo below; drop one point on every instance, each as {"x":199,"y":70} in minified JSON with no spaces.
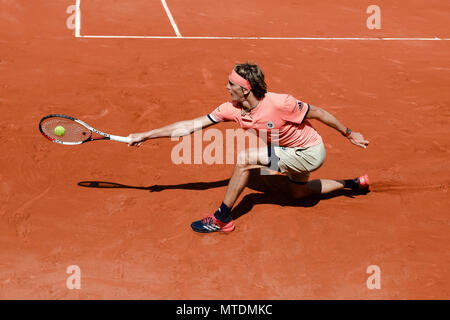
{"x":74,"y":132}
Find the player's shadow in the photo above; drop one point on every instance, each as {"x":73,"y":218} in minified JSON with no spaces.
{"x":272,"y":189}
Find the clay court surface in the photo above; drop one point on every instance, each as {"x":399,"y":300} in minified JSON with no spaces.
{"x":122,"y":214}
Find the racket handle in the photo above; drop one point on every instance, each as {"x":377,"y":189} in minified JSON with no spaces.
{"x":120,"y":139}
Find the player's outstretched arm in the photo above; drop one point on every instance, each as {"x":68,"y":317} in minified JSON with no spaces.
{"x":177,"y":129}
{"x":327,"y":118}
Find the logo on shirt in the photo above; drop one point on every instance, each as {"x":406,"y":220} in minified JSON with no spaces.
{"x":300,"y":105}
{"x":270,"y":125}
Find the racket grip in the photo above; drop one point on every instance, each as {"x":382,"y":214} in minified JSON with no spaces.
{"x":120,"y":139}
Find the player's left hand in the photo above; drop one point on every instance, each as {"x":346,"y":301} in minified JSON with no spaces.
{"x":357,"y":139}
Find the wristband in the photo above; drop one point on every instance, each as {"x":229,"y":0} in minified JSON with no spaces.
{"x":347,"y":132}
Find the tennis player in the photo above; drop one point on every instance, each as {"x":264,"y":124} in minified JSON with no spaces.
{"x":297,"y":149}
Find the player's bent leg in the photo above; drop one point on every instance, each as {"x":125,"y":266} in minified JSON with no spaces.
{"x":327,"y":186}
{"x":357,"y":184}
{"x":299,"y":191}
{"x":246,"y":160}
{"x":324,"y":186}
{"x":221,"y":220}
{"x":304,"y":189}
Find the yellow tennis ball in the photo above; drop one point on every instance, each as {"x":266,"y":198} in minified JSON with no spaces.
{"x":60,"y":131}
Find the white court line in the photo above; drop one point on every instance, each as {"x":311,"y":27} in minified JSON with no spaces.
{"x":179,"y":36}
{"x":172,"y":21}
{"x":77,"y":19}
{"x":265,"y":38}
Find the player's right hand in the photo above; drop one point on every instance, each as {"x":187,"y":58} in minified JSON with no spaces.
{"x":136,"y":139}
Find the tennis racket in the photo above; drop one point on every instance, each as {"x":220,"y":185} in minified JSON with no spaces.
{"x":76,"y":131}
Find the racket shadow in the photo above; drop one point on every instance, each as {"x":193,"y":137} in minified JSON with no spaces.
{"x":156,"y":187}
{"x":271,"y":189}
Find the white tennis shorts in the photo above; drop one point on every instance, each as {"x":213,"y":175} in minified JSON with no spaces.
{"x":297,"y":163}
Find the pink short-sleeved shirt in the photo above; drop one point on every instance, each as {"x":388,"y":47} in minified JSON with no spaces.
{"x":281,"y":115}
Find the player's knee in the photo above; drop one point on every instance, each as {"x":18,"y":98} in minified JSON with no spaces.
{"x":248,"y":158}
{"x":242,"y":158}
{"x":242,"y":167}
{"x":243,"y":164}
